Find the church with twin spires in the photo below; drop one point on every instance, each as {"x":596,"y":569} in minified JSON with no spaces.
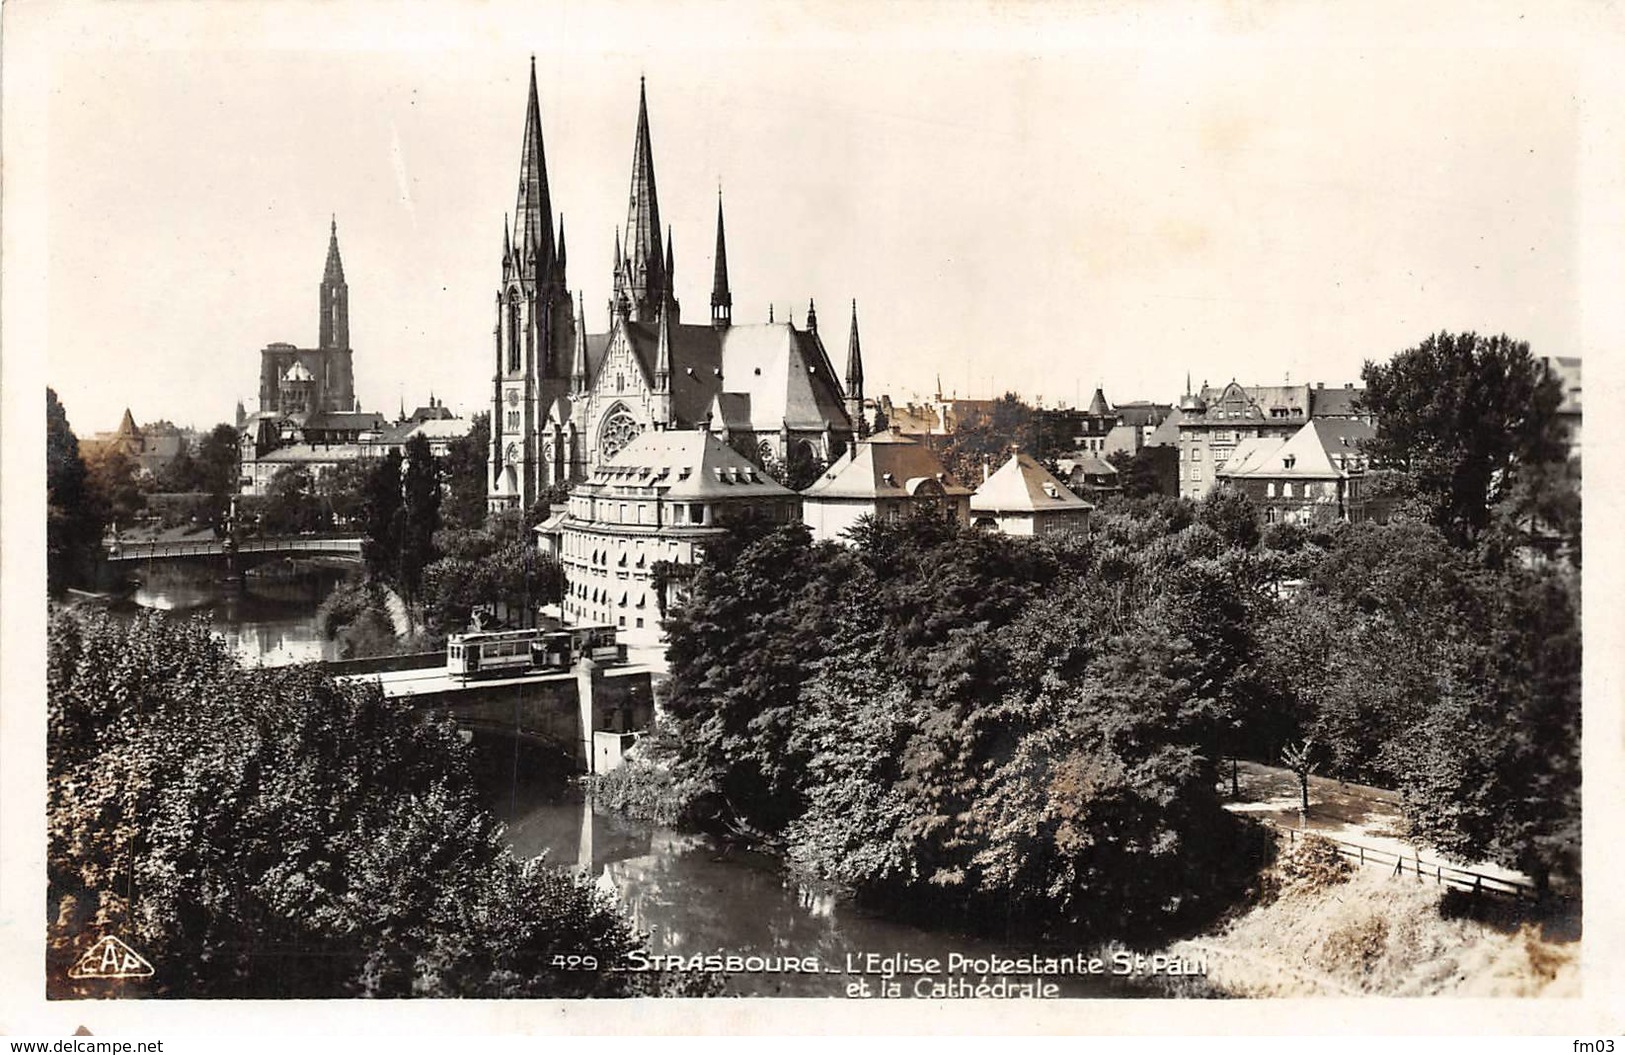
{"x":564,"y":401}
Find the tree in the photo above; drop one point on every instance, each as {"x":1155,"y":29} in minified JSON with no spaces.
{"x":116,"y":491}
{"x":1231,"y":514}
{"x":73,"y":524}
{"x":216,"y":461}
{"x":1461,"y":413}
{"x":341,"y":491}
{"x":180,"y":474}
{"x":420,"y":515}
{"x":290,"y":505}
{"x":269,"y":833}
{"x":1142,"y":474}
{"x":467,"y":469}
{"x":381,"y":513}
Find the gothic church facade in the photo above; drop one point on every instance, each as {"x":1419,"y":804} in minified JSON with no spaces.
{"x":565,"y":401}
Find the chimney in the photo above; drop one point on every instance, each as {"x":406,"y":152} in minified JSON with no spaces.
{"x":1320,"y":384}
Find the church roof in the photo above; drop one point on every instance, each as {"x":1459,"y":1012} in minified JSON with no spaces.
{"x":1021,"y":485}
{"x":886,"y":465}
{"x":688,"y":465}
{"x":731,"y":410}
{"x":1098,"y":405}
{"x":781,"y":371}
{"x":127,"y":426}
{"x":346,"y":421}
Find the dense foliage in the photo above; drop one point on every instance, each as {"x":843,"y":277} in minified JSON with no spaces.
{"x":1028,"y":732}
{"x":962,"y":723}
{"x":492,"y":569}
{"x":1462,"y":416}
{"x":73,"y":519}
{"x":269,"y":833}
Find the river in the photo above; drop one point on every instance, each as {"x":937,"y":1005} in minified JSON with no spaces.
{"x":693,"y":895}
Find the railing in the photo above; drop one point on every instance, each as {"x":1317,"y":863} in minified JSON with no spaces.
{"x":219,"y":547}
{"x":1401,"y":864}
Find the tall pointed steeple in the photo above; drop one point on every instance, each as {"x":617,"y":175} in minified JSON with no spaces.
{"x":812,"y":316}
{"x":507,"y":252}
{"x":560,"y":256}
{"x":854,"y":378}
{"x":334,"y":329}
{"x":722,"y":300}
{"x":533,"y":215}
{"x":645,"y":262}
{"x":578,"y":368}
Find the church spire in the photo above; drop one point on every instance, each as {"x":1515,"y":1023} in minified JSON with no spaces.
{"x":645,"y":262}
{"x":578,"y":368}
{"x":854,"y":378}
{"x":722,"y":300}
{"x":533,"y":215}
{"x":334,"y":328}
{"x":812,"y":317}
{"x":560,"y":256}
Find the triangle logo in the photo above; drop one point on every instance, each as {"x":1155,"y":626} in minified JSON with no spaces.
{"x":111,"y":958}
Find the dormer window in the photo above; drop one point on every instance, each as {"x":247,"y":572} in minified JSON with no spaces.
{"x":889,"y":480}
{"x":1050,"y":490}
{"x":1289,"y":461}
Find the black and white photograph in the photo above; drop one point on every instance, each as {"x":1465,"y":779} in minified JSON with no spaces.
{"x":811,"y":517}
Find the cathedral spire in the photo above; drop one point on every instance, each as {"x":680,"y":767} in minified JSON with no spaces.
{"x":722,"y":300}
{"x":812,"y":317}
{"x":578,"y":368}
{"x":533,"y":215}
{"x":645,"y":264}
{"x":854,"y":378}
{"x":334,"y":328}
{"x":560,"y":256}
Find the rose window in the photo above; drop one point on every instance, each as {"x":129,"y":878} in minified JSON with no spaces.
{"x":620,"y":428}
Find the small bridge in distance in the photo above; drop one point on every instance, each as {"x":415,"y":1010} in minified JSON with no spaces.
{"x":125,"y":552}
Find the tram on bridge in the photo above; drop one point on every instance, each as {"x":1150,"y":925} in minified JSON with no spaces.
{"x":493,"y":652}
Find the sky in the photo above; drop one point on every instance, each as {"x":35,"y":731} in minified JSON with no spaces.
{"x":1036,"y":197}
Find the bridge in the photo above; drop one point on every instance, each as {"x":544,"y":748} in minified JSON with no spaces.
{"x":134,"y":552}
{"x":590,"y":713}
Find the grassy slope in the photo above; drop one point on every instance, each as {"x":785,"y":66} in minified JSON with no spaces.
{"x":1373,"y":934}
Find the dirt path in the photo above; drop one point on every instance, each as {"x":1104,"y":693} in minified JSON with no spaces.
{"x":1354,"y":813}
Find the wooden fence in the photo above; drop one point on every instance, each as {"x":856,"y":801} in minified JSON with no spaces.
{"x":1412,"y":864}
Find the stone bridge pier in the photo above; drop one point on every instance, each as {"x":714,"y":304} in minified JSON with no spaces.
{"x":591,"y":714}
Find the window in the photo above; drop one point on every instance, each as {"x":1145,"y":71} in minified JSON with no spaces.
{"x":1286,"y":490}
{"x":1196,"y":454}
{"x":1269,"y":492}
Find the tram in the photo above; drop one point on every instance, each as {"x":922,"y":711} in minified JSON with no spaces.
{"x":487,"y":653}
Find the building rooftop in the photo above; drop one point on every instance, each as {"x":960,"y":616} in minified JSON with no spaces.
{"x":688,"y":465}
{"x":1021,"y":485}
{"x":886,"y":465}
{"x":1319,"y":450}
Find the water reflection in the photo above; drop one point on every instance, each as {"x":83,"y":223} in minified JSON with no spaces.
{"x":696,"y":896}
{"x":266,"y":618}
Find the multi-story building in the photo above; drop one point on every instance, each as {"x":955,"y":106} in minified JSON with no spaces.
{"x":888,"y":476}
{"x":1215,"y":421}
{"x":564,"y":402}
{"x":655,"y":504}
{"x":1317,"y":472}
